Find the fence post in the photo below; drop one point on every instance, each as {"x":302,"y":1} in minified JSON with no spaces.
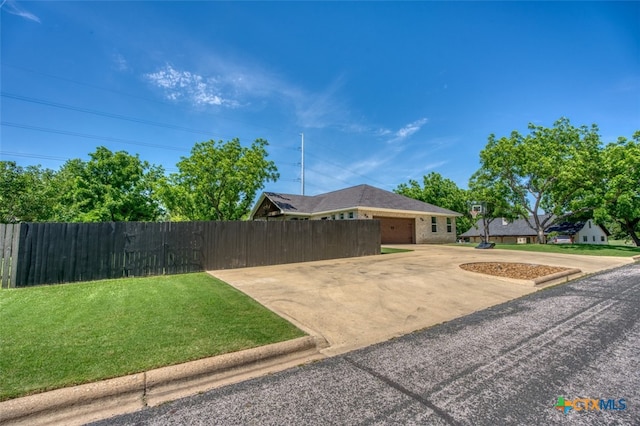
{"x":15,"y":250}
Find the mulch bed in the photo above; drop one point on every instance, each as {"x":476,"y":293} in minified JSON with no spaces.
{"x":521,"y":271}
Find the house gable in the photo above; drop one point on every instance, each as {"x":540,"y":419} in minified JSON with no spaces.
{"x":354,"y":198}
{"x":419,"y":222}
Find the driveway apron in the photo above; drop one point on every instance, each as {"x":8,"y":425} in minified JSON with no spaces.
{"x":356,"y":302}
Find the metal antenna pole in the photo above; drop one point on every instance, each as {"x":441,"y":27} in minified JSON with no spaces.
{"x":302,"y":165}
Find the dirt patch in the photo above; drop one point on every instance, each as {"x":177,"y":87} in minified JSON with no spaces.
{"x":520,"y":271}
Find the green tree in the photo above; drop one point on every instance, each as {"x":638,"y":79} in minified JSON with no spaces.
{"x":26,"y":194}
{"x":441,"y":192}
{"x":111,"y":186}
{"x":621,"y":195}
{"x":552,"y":169}
{"x":219,"y":180}
{"x":494,"y":197}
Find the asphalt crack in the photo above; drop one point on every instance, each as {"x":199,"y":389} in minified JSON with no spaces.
{"x":397,"y":386}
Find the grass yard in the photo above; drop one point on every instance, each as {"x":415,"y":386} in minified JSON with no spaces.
{"x":586,"y":249}
{"x":63,"y":335}
{"x":389,"y":250}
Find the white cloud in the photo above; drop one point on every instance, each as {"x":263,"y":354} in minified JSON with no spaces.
{"x":193,"y":87}
{"x":119,"y":62}
{"x":10,"y":6}
{"x":234,"y":84}
{"x":408,"y":130}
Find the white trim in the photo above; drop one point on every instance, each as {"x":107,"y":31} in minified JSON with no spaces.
{"x":384,"y":210}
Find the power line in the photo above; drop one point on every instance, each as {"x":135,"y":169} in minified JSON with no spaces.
{"x":81,"y":83}
{"x":345,"y":169}
{"x":42,"y":157}
{"x":102,"y":113}
{"x":50,"y":157}
{"x":114,"y":116}
{"x":89,"y":136}
{"x":94,"y":86}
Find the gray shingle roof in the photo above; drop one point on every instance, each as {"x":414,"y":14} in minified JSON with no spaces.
{"x":517,"y":228}
{"x":348,"y":198}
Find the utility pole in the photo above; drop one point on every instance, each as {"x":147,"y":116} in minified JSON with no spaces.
{"x":302,"y":164}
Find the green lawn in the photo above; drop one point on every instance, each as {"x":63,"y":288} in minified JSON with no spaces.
{"x":389,"y":250}
{"x":587,"y":249}
{"x":56,"y":336}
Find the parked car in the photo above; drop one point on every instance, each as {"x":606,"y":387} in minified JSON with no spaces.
{"x":561,"y":239}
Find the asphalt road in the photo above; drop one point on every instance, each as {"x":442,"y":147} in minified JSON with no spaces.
{"x":504,"y":365}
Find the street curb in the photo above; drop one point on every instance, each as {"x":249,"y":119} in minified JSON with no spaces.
{"x":556,"y":276}
{"x":99,"y":400}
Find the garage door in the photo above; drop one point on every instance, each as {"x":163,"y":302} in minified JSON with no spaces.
{"x":396,"y":231}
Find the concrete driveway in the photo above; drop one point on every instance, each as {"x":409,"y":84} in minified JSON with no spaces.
{"x":506,"y":365}
{"x":356,"y":302}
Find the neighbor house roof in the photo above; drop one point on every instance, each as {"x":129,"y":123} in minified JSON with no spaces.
{"x":520,"y":228}
{"x":571,"y":228}
{"x":565,"y":228}
{"x":356,"y":196}
{"x":498,"y":228}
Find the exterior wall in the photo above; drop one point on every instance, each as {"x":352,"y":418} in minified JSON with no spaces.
{"x":423,"y":235}
{"x":506,"y":239}
{"x":423,"y":232}
{"x":593,"y":233}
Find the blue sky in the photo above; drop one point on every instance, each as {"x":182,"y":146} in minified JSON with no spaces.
{"x":384,"y":92}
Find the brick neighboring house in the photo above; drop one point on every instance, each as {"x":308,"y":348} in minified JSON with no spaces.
{"x":403,"y":220}
{"x":519,"y":231}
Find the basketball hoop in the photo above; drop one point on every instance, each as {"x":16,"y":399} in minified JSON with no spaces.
{"x":476,"y":209}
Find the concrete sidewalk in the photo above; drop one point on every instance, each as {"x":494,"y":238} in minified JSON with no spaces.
{"x":356,"y":302}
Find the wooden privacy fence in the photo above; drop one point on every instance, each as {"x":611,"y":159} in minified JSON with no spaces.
{"x":52,"y":253}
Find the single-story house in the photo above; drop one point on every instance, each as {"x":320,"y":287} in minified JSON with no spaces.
{"x":519,"y":232}
{"x":403,"y":220}
{"x":585,"y":232}
{"x":502,"y":230}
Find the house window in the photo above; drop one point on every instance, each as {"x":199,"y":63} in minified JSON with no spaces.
{"x":333,"y":217}
{"x":449,"y":227}
{"x":341,"y":215}
{"x":602,"y":238}
{"x":585,"y":239}
{"x":434,"y":224}
{"x":350,"y":215}
{"x":594,"y":238}
{"x":589,"y":222}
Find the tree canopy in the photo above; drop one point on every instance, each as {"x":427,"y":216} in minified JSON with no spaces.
{"x":111,"y":186}
{"x":495,"y":197}
{"x":26,"y":193}
{"x":620,"y":200}
{"x":441,"y":192}
{"x":553,"y":169}
{"x":219,"y":180}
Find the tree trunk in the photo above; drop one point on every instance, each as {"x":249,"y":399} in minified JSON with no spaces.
{"x":630,"y":228}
